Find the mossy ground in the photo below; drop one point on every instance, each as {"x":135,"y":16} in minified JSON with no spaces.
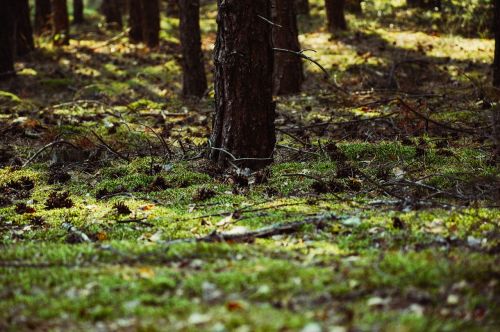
{"x":415,"y":246}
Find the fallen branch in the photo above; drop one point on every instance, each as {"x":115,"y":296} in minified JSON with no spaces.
{"x":75,"y":231}
{"x":265,"y":232}
{"x":47,"y":147}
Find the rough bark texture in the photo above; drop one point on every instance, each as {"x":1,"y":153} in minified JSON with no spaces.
{"x":302,"y":7}
{"x":43,"y":12}
{"x":288,"y":71}
{"x":7,"y":33}
{"x":335,"y":15}
{"x":173,"y":8}
{"x":244,"y":120}
{"x":24,"y":31}
{"x":111,"y":10}
{"x":151,"y":22}
{"x":496,"y":63}
{"x":135,"y":21}
{"x":60,"y":22}
{"x":78,"y":12}
{"x":194,"y":80}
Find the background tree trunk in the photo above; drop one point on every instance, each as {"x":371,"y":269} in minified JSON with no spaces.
{"x":135,"y":21}
{"x":288,"y":71}
{"x":244,"y":121}
{"x":302,"y":7}
{"x":173,"y":8}
{"x":111,"y":10}
{"x":24,"y":31}
{"x":424,"y":4}
{"x":194,"y":81}
{"x":496,"y":62}
{"x":60,"y":22}
{"x":151,"y":22}
{"x":335,"y":15}
{"x":354,"y":6}
{"x":43,"y":12}
{"x":7,"y":33}
{"x":78,"y":12}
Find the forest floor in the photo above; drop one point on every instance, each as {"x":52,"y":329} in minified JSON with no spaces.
{"x":380,"y":212}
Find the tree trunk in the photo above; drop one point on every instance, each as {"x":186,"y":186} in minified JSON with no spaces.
{"x":173,"y":8}
{"x":424,"y":4}
{"x":60,"y":22}
{"x":151,"y":22}
{"x":243,"y":129}
{"x":7,"y":41}
{"x":288,"y":71}
{"x":354,"y":6}
{"x":194,"y":81}
{"x":43,"y":12}
{"x":78,"y":12}
{"x":496,"y":62}
{"x":302,"y":7}
{"x":24,"y":31}
{"x":111,"y":10}
{"x":335,"y":15}
{"x":135,"y":21}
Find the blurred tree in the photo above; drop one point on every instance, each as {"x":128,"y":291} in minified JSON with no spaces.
{"x":496,"y":62}
{"x":135,"y":34}
{"x":43,"y":12}
{"x":111,"y":10}
{"x":288,"y":71}
{"x":172,"y":8}
{"x":335,"y":15}
{"x":151,"y":22}
{"x":425,"y":4}
{"x":60,"y":22}
{"x":194,"y":81}
{"x":7,"y":38}
{"x":354,"y":6}
{"x":243,"y":130}
{"x":78,"y":17}
{"x":302,"y":7}
{"x":24,"y":31}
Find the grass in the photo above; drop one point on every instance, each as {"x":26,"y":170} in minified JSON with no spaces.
{"x":415,"y":243}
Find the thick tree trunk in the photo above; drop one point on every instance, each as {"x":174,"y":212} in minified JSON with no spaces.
{"x":194,"y":81}
{"x":496,"y":63}
{"x":135,"y":21}
{"x":78,"y":12}
{"x":335,"y":15}
{"x":60,"y":22}
{"x":43,"y":12}
{"x":24,"y":31}
{"x":302,"y":7}
{"x":7,"y":40}
{"x":288,"y":71}
{"x":173,"y":8}
{"x":151,"y":22}
{"x":111,"y":10}
{"x":243,"y":129}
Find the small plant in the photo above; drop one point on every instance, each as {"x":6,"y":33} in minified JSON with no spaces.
{"x":58,"y":200}
{"x":121,"y":208}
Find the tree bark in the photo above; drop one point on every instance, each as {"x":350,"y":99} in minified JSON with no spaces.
{"x":302,"y":7}
{"x":496,"y":62}
{"x":112,"y":13}
{"x":24,"y":31}
{"x":335,"y":15}
{"x":43,"y":12}
{"x":60,"y":22}
{"x":151,"y":22}
{"x":7,"y":40}
{"x":243,"y":129}
{"x":78,"y":17}
{"x":173,"y":8}
{"x":135,"y":21}
{"x":194,"y":81}
{"x":288,"y":71}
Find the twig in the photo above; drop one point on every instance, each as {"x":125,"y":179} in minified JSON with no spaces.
{"x":301,"y":54}
{"x":73,"y":230}
{"x":45,"y":148}
{"x":266,"y":232}
{"x":109,"y":148}
{"x":270,"y":22}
